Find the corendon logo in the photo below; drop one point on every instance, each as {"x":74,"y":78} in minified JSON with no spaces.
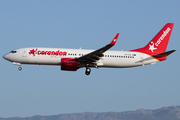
{"x":151,"y":47}
{"x":42,"y":52}
{"x":162,"y":36}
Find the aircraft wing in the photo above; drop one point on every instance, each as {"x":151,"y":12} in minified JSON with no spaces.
{"x":97,"y":54}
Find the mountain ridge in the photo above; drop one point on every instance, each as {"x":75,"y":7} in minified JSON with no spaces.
{"x":165,"y":113}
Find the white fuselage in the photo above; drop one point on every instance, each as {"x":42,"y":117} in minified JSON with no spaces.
{"x":52,"y":56}
{"x":73,"y":59}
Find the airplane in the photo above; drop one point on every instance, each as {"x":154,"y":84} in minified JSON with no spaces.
{"x":73,"y":59}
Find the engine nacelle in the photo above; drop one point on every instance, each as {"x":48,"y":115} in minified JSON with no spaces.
{"x":69,"y":64}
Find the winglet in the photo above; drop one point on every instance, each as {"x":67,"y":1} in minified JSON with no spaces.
{"x":113,"y":42}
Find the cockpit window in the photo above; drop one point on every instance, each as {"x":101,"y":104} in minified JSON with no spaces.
{"x":13,"y":51}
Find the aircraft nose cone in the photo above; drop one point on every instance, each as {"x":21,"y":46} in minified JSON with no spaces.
{"x":6,"y":56}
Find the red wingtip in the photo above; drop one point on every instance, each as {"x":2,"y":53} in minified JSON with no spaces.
{"x":113,"y":42}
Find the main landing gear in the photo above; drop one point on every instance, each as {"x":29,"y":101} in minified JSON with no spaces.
{"x":88,"y":70}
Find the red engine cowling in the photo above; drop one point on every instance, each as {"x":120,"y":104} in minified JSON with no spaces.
{"x":69,"y":64}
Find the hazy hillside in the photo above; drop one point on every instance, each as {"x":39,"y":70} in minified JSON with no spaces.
{"x":165,"y":113}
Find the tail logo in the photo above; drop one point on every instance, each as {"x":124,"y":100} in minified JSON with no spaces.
{"x":162,"y":36}
{"x":151,"y":47}
{"x":158,"y":42}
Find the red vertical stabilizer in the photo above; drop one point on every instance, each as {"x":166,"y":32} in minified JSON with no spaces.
{"x":159,"y":43}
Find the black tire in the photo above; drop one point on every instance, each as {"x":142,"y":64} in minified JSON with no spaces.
{"x":88,"y":71}
{"x":19,"y":68}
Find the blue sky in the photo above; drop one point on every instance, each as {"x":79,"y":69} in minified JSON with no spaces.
{"x":47,"y":90}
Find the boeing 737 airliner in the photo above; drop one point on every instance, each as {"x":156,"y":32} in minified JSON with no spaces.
{"x":73,"y":59}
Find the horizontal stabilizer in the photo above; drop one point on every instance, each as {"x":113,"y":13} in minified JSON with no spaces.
{"x":160,"y":57}
{"x":165,"y":54}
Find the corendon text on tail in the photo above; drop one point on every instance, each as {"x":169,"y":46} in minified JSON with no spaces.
{"x":162,"y":37}
{"x":74,"y":59}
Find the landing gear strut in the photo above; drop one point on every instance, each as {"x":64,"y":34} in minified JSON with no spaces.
{"x":88,"y":70}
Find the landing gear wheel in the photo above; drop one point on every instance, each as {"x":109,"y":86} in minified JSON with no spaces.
{"x":88,"y":70}
{"x":19,"y":68}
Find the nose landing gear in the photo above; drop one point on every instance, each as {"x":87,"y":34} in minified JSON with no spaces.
{"x":19,"y":68}
{"x":19,"y":64}
{"x":88,"y":70}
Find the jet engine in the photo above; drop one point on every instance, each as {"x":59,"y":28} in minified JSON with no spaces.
{"x":69,"y":64}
